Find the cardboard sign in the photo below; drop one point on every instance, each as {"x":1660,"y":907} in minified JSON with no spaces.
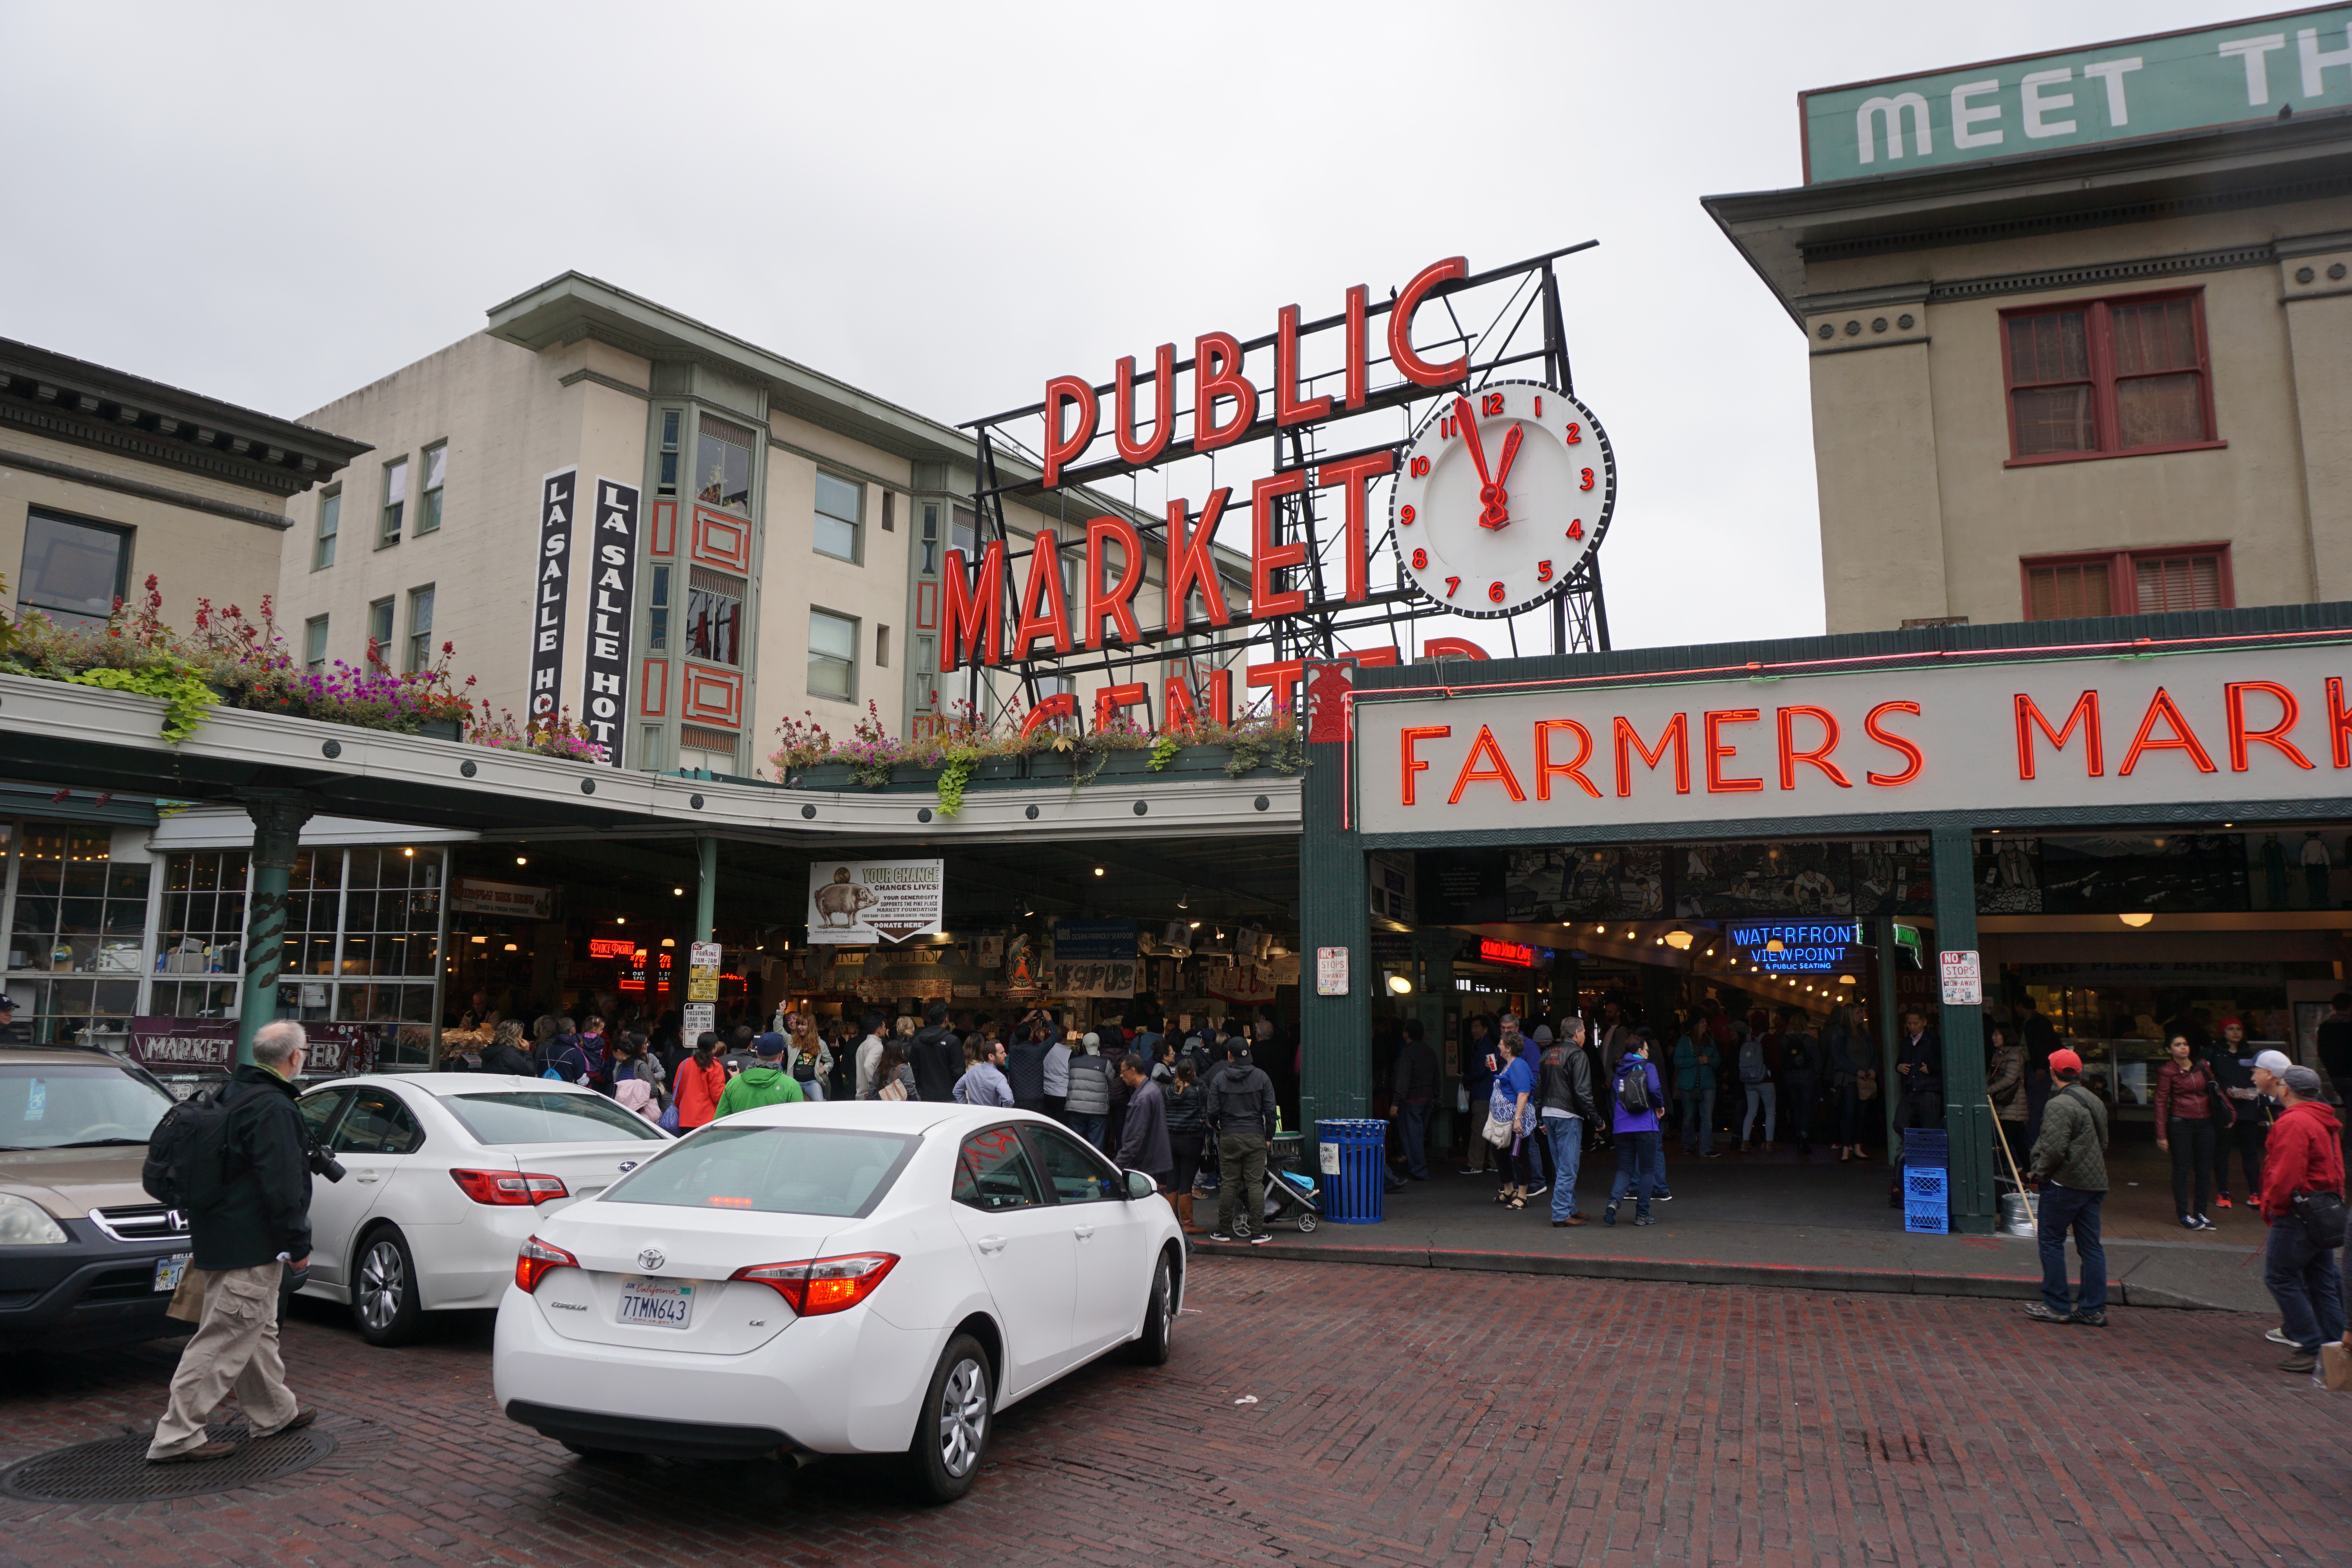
{"x":1963,"y":978}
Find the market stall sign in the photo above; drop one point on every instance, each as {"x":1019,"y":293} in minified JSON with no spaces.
{"x":471,"y":894}
{"x":167,"y":1045}
{"x":611,"y":947}
{"x":2240,"y":73}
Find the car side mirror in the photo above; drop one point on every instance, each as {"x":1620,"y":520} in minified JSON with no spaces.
{"x":1139,"y":1186}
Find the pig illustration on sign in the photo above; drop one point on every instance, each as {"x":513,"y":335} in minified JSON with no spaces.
{"x":843,"y":898}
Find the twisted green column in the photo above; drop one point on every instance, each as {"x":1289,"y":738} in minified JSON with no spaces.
{"x":277,"y":818}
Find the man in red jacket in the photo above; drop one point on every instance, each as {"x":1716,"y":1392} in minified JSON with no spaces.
{"x":2305,"y":1155}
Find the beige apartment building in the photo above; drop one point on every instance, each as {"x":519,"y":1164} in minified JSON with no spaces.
{"x":2079,"y":327}
{"x":782,"y":536}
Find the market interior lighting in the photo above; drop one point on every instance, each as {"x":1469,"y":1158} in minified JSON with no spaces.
{"x":2136,"y":920}
{"x":669,"y":941}
{"x":1845,"y":980}
{"x":1184,"y":900}
{"x":1679,"y":940}
{"x":408,"y":852}
{"x":678,"y":892}
{"x":1098,"y":870}
{"x":523,"y":859}
{"x":1399,"y":986}
{"x":512,"y":948}
{"x":481,"y":938}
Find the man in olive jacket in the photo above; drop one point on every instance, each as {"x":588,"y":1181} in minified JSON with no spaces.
{"x":244,"y":1244}
{"x":2071,"y":1159}
{"x":1242,"y":1112}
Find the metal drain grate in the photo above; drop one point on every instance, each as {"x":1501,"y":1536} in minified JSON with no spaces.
{"x":115,"y":1469}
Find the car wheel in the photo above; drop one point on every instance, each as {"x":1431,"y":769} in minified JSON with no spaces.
{"x":1151,"y":1348}
{"x":952,"y":1432}
{"x":384,"y":1290}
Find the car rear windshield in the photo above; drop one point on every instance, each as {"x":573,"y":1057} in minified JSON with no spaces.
{"x":77,"y":1105}
{"x":546,"y":1116}
{"x":772,"y":1170}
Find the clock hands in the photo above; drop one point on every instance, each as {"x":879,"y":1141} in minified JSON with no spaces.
{"x":1495,"y":501}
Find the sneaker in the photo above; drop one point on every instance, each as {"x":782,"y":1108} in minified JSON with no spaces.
{"x":1608,"y":1215}
{"x":2300,"y":1360}
{"x":2278,"y":1337}
{"x":2189,"y":1222}
{"x":2043,"y":1314}
{"x":1643,"y":1219}
{"x":1219,"y":1235}
{"x":1710,"y":1154}
{"x":1539,"y":1191}
{"x":2221,"y":1200}
{"x":2092,"y":1320}
{"x":1260,"y":1237}
{"x":2203,"y":1223}
{"x":1661,"y":1197}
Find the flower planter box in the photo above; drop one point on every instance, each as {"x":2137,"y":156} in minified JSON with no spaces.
{"x":819,"y":775}
{"x":1192,"y":762}
{"x":442,"y":729}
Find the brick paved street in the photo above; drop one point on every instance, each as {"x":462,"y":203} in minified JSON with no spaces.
{"x":1394,"y":1422}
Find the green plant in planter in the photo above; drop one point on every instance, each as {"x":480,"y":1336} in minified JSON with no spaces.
{"x":1279,"y":747}
{"x":186,"y":695}
{"x":1163,"y":751}
{"x":955,"y":774}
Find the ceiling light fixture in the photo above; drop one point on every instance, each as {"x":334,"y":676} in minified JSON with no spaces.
{"x":523,"y":859}
{"x":1679,"y":940}
{"x":669,"y":941}
{"x":510,"y":947}
{"x":1098,"y":870}
{"x":2136,"y":920}
{"x":408,"y":852}
{"x":1399,"y":986}
{"x":678,"y":892}
{"x":1184,"y":900}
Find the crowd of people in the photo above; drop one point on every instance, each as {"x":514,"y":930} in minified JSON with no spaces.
{"x":1189,"y":1105}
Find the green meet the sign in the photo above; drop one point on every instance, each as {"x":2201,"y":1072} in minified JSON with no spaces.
{"x":2238,"y":73}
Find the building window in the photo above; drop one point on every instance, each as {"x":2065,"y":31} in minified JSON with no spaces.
{"x":202,"y":934}
{"x":396,"y":501}
{"x":2128,"y":582}
{"x":714,"y":616}
{"x":889,"y":511}
{"x":74,"y":573}
{"x":331,"y":518}
{"x":722,"y":465}
{"x":832,"y":656}
{"x":700,"y":746}
{"x":926,"y":667}
{"x":668,"y":482}
{"x":419,"y":652}
{"x":2105,"y":377}
{"x":428,"y":499}
{"x":881,"y":647}
{"x":314,"y":643}
{"x":379,"y":643}
{"x":963,"y":532}
{"x":657,"y":612}
{"x":838,"y":504}
{"x":931,"y":539}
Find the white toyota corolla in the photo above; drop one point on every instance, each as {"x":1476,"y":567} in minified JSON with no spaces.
{"x":859,"y":1278}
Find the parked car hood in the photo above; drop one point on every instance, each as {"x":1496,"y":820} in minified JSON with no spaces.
{"x":69,"y":1183}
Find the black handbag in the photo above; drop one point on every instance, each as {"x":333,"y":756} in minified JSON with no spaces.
{"x":2322,"y":1215}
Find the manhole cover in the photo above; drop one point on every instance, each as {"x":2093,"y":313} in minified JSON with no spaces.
{"x":115,"y":1469}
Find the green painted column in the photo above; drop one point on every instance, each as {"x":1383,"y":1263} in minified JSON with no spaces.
{"x":1334,"y":910}
{"x":1890,"y":1028}
{"x":278,"y":819}
{"x":705,"y":893}
{"x":1968,"y":1113}
{"x":1435,"y":950}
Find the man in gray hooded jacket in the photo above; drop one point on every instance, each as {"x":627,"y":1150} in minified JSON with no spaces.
{"x":1241,"y":1110}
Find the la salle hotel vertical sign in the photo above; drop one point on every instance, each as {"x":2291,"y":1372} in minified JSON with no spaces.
{"x":552,"y":593}
{"x":612,"y":589}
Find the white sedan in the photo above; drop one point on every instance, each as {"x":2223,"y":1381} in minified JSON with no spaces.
{"x":446,"y":1175}
{"x":859,"y":1278}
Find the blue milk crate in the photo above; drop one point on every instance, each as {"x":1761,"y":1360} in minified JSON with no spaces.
{"x":1927,"y":1183}
{"x":1926,"y":1146}
{"x":1927,"y":1215}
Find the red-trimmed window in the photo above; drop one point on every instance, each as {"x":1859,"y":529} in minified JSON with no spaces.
{"x":2129,"y":583}
{"x":2104,"y":378}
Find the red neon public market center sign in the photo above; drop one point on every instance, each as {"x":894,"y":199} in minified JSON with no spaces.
{"x":1226,"y":405}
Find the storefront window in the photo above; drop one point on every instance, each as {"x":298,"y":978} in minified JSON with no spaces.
{"x":76,"y":910}
{"x":202,"y":934}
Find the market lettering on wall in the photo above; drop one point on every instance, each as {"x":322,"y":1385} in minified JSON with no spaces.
{"x":612,"y":589}
{"x":551,"y":599}
{"x":1226,"y":407}
{"x":2207,"y":77}
{"x":2261,"y":725}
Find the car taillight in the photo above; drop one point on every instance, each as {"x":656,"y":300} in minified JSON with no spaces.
{"x":532,"y":1263}
{"x":824,"y":1284}
{"x":510,"y":1186}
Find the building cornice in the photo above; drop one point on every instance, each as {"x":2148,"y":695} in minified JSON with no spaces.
{"x":71,"y":400}
{"x":94,"y":477}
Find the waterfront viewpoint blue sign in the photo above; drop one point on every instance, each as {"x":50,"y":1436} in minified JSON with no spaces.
{"x":2234,"y":74}
{"x":1803,"y":947}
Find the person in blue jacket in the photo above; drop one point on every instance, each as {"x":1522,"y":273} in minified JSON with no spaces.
{"x":1634,"y":1093}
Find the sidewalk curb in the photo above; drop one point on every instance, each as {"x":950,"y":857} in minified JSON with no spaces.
{"x":1693,"y":1271}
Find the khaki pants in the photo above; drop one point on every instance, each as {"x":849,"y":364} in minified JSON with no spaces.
{"x":234,"y":1347}
{"x":1241,"y":1180}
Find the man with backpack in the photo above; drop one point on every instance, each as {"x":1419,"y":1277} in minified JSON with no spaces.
{"x":2071,"y":1159}
{"x":1241,"y":1110}
{"x":559,"y":1055}
{"x":1755,"y":1080}
{"x":241,"y":1166}
{"x":1637,"y":1092}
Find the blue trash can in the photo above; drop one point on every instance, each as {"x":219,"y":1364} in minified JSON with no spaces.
{"x":1353,"y":1174}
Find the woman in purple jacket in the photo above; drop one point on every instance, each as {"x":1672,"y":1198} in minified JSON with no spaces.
{"x":1634,"y":1092}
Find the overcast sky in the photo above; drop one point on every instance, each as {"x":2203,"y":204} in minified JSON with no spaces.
{"x":946,"y":204}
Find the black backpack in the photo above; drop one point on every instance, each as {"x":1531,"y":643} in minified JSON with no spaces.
{"x":187,"y":1154}
{"x":1633,"y":1086}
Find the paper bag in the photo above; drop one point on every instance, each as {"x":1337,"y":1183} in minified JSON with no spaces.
{"x":2335,"y":1367}
{"x":188,"y":1301}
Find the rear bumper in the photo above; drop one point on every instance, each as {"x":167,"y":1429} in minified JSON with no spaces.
{"x":642,"y":1434}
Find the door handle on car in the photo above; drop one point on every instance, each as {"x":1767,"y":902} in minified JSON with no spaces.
{"x":370,"y":1176}
{"x":1086,"y":1232}
{"x":991,"y":1244}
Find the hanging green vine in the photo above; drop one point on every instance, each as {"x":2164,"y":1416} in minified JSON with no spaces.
{"x":961,"y":762}
{"x":187,"y":697}
{"x":1163,"y":751}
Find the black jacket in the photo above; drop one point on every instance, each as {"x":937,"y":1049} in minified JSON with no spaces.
{"x":1930,"y":1053}
{"x":1025,"y":1069}
{"x":507,"y":1059}
{"x":264,"y":1205}
{"x":1564,"y":1082}
{"x":2335,"y":1043}
{"x":1416,"y":1072}
{"x":938,"y":1060}
{"x":1241,"y":1098}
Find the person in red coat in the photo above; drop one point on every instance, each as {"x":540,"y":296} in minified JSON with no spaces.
{"x":2187,"y":1096}
{"x":2304,"y":1156}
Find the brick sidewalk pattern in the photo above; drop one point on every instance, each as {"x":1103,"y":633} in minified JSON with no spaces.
{"x":1402,"y":1417}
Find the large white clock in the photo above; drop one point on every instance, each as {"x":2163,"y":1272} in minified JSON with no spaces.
{"x":1504,"y":490}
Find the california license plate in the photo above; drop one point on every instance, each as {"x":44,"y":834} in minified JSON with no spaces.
{"x":168,"y":1271}
{"x":663,"y":1303}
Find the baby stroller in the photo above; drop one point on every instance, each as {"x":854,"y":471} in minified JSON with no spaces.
{"x":1289,"y":1192}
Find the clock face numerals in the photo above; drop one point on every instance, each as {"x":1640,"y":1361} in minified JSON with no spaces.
{"x":1504,"y":490}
